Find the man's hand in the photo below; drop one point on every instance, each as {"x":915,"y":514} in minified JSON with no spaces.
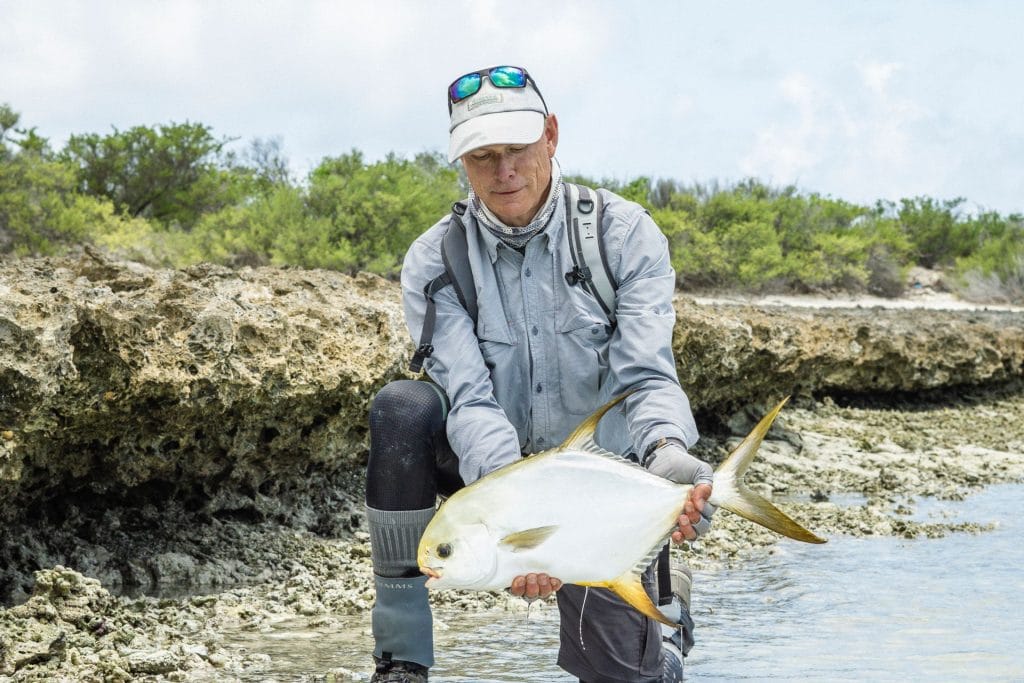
{"x":533,"y":586}
{"x":696,"y":517}
{"x":673,"y":462}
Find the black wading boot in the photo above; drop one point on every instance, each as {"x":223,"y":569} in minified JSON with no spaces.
{"x":396,"y":671}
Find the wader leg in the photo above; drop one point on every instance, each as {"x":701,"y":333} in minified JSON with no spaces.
{"x":401,"y":618}
{"x":403,"y":476}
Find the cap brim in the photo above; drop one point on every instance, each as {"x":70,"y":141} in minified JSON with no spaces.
{"x":501,"y":128}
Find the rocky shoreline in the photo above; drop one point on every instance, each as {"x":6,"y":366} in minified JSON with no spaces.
{"x":886,"y":406}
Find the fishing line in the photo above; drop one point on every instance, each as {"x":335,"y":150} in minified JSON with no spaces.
{"x":583,"y":606}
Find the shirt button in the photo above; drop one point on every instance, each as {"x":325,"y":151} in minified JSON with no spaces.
{"x":540,"y":388}
{"x":528,"y":273}
{"x":535,"y":330}
{"x":540,"y":440}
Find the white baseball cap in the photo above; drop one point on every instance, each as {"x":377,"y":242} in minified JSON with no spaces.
{"x":495,"y":116}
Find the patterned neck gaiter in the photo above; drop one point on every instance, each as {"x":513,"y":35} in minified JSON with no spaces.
{"x":518,"y":237}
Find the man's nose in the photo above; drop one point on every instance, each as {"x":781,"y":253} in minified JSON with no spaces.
{"x":506,"y":166}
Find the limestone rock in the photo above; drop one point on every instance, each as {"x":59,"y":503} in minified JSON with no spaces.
{"x":730,"y":356}
{"x":211,"y":395}
{"x":221,"y":387}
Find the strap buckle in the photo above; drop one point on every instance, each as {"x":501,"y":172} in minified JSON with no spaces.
{"x":423,"y":351}
{"x":577,"y":275}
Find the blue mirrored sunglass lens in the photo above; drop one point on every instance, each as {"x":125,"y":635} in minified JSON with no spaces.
{"x":464,"y":87}
{"x":508,"y":77}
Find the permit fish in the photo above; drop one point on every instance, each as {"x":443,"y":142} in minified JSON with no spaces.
{"x":581,"y":514}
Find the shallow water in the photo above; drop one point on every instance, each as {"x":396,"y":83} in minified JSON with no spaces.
{"x":853,"y":609}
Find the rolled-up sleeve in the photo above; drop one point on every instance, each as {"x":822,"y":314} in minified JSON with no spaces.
{"x":477,"y":427}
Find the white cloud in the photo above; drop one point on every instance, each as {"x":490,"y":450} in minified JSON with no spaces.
{"x":876,"y":75}
{"x":867,"y":140}
{"x":847,"y":104}
{"x":783,"y":152}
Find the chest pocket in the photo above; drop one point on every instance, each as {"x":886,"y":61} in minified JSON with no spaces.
{"x":508,"y":372}
{"x":583,"y":359}
{"x":495,"y":343}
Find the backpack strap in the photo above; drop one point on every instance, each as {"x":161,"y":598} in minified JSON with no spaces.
{"x":454,"y":253}
{"x":456,"y":273}
{"x":586,"y":245}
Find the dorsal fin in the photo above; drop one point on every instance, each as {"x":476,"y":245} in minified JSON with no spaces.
{"x":584,"y":434}
{"x":592,"y":446}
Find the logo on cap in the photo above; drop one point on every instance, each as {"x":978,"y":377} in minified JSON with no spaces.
{"x":480,"y":101}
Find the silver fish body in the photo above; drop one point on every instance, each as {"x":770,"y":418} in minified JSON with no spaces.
{"x":579,"y":514}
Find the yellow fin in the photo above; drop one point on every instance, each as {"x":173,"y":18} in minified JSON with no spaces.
{"x":732,"y":494}
{"x":629,"y":588}
{"x":530,"y":538}
{"x":584,"y":434}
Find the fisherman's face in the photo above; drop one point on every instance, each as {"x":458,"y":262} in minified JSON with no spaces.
{"x":513,"y":180}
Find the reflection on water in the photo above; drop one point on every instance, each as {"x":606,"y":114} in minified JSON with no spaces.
{"x":484,"y":647}
{"x":853,"y":609}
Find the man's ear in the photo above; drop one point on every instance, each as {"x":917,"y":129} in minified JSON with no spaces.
{"x":551,"y":133}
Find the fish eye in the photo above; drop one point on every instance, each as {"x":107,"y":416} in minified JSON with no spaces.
{"x":444,"y":550}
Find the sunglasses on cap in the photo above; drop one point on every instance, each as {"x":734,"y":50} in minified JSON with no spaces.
{"x":499,"y":76}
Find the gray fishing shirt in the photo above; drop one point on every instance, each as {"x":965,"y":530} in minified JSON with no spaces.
{"x":542,"y":357}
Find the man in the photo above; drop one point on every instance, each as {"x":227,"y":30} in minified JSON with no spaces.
{"x":540,"y":358}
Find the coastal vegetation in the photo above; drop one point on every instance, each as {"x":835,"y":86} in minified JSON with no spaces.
{"x":176,"y":194}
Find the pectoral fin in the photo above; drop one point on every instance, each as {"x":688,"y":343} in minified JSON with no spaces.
{"x":629,"y":588}
{"x":529,"y":538}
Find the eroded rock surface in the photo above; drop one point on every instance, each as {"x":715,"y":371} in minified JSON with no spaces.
{"x":732,"y":355}
{"x":143,"y":411}
{"x":72,"y":629}
{"x":181,"y":397}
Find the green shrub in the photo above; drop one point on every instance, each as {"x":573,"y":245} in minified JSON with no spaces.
{"x":371,"y":213}
{"x":173,"y":195}
{"x":995,"y":270}
{"x":40,"y":212}
{"x":173,"y":174}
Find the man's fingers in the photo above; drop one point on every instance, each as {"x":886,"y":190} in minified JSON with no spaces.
{"x":546,"y":585}
{"x":686,"y":530}
{"x":695,"y":502}
{"x":690,"y":512}
{"x":699,"y":495}
{"x":533,"y":586}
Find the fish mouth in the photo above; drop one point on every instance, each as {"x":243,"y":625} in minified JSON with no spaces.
{"x":434,"y":575}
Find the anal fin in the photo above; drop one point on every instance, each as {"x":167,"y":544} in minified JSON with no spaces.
{"x":631,"y":589}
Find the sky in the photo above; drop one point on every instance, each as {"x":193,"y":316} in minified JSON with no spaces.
{"x":858,"y":100}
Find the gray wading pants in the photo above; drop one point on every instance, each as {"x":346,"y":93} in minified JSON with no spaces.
{"x":604,"y":640}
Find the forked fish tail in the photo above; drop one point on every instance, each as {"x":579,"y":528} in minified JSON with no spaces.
{"x":730,"y":492}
